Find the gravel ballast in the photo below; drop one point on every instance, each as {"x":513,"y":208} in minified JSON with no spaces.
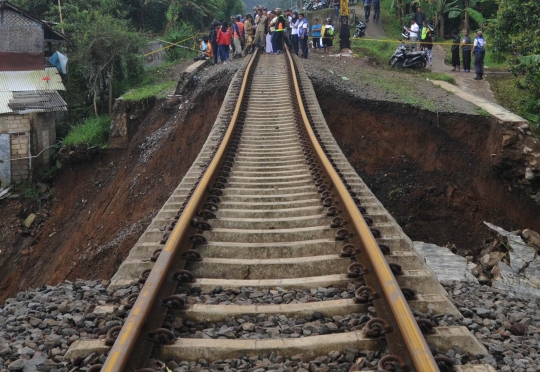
{"x":37,"y":327}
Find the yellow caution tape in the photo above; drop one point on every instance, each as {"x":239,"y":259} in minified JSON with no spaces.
{"x":170,"y":46}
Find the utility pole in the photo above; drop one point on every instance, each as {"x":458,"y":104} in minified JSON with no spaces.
{"x":344,"y":32}
{"x":61,"y":19}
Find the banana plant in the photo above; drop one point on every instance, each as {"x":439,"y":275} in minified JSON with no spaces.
{"x":457,"y":8}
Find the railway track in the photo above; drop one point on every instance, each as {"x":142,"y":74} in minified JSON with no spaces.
{"x":271,"y":204}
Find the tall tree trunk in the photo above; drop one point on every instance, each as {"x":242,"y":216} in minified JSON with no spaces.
{"x":466,"y":13}
{"x":95,"y":101}
{"x":441,"y":19}
{"x":111,"y":90}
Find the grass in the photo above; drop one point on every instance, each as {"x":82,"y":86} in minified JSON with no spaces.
{"x":93,"y":131}
{"x":481,"y":111}
{"x":402,"y":88}
{"x":439,"y":76}
{"x":145,"y":91}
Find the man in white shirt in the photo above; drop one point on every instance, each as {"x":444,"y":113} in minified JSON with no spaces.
{"x":413,"y":33}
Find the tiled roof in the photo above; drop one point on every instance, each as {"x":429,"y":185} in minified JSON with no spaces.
{"x":31,"y":101}
{"x":18,"y":81}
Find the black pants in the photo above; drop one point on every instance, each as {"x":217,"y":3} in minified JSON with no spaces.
{"x":278,"y":41}
{"x":304,"y":46}
{"x":295,"y":43}
{"x":455,"y":58}
{"x":467,"y":60}
{"x":376,"y":14}
{"x":367,"y":11}
{"x":479,"y":63}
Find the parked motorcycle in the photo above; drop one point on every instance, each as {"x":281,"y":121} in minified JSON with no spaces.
{"x":360,"y":30}
{"x":404,"y":58}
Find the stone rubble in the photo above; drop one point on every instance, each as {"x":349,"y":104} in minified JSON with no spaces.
{"x":255,"y":296}
{"x":510,"y":263}
{"x":265,"y":327}
{"x":508,"y":327}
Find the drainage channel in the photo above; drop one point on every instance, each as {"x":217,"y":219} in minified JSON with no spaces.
{"x":274,"y":230}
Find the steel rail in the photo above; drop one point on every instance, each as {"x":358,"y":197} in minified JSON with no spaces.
{"x":415,"y":342}
{"x":127,"y":338}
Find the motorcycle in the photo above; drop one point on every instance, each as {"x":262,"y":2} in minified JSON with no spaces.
{"x":360,"y":30}
{"x":404,"y":58}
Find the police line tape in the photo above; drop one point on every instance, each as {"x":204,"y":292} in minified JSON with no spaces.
{"x":381,"y":40}
{"x":171,"y":45}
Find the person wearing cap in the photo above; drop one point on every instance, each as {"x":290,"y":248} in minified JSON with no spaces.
{"x":260,"y":38}
{"x":279,"y":29}
{"x":328,"y":35}
{"x":479,"y":52}
{"x":238,"y":36}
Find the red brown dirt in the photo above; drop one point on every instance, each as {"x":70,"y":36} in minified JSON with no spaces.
{"x":433,"y":172}
{"x":103,"y":206}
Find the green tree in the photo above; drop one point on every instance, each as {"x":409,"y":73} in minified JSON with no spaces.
{"x":516,"y":35}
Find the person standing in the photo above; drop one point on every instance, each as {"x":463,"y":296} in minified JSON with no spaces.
{"x":316,"y":34}
{"x":224,"y":40}
{"x":280,"y":26}
{"x":376,"y":10}
{"x":419,"y":17}
{"x":367,"y":9}
{"x":336,"y":7}
{"x":413,"y":33}
{"x":427,"y":42}
{"x":303,"y":35}
{"x":260,"y":33}
{"x":213,"y":40}
{"x":466,"y":48}
{"x":248,"y":29}
{"x":238,"y":35}
{"x":479,"y":51}
{"x":455,"y":51}
{"x":295,"y":22}
{"x":328,"y":36}
{"x":272,"y":23}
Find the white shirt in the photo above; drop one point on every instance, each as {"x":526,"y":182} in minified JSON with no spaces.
{"x":294,"y":26}
{"x":414,"y":30}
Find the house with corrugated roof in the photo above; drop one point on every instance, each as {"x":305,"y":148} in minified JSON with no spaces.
{"x":29,"y":98}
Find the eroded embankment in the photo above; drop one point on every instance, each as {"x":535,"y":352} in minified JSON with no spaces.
{"x":439,"y":174}
{"x":103,"y":206}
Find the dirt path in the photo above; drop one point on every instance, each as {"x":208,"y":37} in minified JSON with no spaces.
{"x":464,"y":80}
{"x":373,"y":30}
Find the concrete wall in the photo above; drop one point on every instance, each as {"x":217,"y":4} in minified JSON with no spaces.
{"x":154,"y":59}
{"x":29,"y":135}
{"x":18,"y":127}
{"x":321,"y":15}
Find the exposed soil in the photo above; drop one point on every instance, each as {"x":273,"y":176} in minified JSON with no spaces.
{"x":104,"y":205}
{"x":433,"y":171}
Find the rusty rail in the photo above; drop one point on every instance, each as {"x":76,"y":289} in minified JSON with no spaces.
{"x":417,"y":349}
{"x":123,"y":347}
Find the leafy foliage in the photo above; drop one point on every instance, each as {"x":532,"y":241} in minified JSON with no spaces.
{"x":516,"y":33}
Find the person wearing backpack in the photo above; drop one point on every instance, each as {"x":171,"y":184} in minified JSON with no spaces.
{"x":479,"y":52}
{"x":328,"y":35}
{"x":279,"y":29}
{"x":303,"y":35}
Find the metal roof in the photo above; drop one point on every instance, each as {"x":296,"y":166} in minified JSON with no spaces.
{"x":18,"y":81}
{"x":31,"y":101}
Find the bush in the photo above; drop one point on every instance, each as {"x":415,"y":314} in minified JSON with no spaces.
{"x":93,"y":131}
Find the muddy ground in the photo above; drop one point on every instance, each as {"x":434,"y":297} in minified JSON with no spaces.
{"x":432,"y":169}
{"x":424,"y":152}
{"x":100,"y":208}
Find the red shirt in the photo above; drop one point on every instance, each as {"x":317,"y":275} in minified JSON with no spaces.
{"x":224,"y":38}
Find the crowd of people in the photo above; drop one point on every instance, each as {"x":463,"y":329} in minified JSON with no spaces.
{"x":272,"y":30}
{"x":269,"y":30}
